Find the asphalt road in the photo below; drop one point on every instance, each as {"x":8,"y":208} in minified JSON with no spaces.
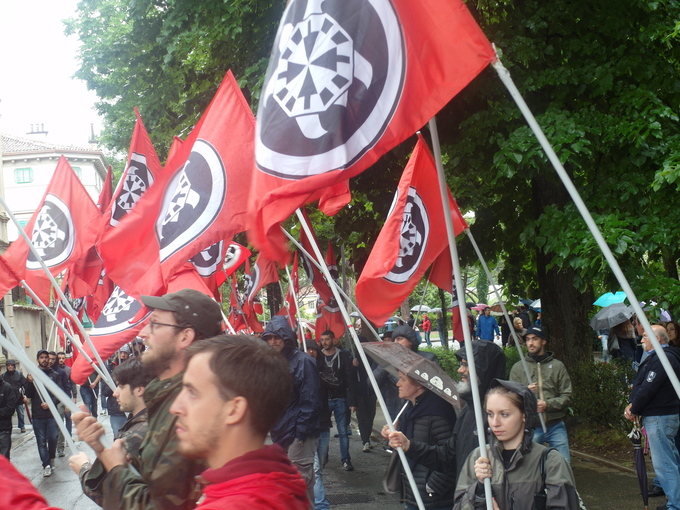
{"x":601,"y":487}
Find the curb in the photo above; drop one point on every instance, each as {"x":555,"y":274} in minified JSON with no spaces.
{"x":23,"y":438}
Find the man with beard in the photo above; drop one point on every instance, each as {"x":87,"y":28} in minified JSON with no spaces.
{"x":490,"y":365}
{"x":552,"y":387}
{"x":235,"y":389}
{"x":162,"y":478}
{"x":69,"y":388}
{"x":44,"y":425}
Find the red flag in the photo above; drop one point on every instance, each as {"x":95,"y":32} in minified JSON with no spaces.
{"x":295,"y":275}
{"x":264,"y":272}
{"x":106,"y":192}
{"x":97,"y":300}
{"x":199,"y":199}
{"x":17,"y":491}
{"x":331,"y":316}
{"x":175,"y":147}
{"x":409,"y":242}
{"x":62,"y":229}
{"x":123,"y":318}
{"x":8,"y":277}
{"x":347,"y":82}
{"x":236,"y":316}
{"x":235,"y":256}
{"x":210,"y":266}
{"x":315,"y":277}
{"x":289,"y":309}
{"x":249,"y":293}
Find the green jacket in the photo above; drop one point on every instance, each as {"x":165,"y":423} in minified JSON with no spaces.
{"x":166,"y":480}
{"x":556,"y":384}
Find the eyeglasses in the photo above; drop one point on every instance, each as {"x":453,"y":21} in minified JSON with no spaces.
{"x":153,"y":324}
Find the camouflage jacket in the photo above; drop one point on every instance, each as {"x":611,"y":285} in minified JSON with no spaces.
{"x":133,"y":433}
{"x":164,"y":480}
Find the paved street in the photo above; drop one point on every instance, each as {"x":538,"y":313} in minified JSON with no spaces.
{"x":600,"y":486}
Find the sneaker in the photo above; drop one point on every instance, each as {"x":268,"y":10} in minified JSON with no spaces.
{"x":52,"y":464}
{"x":367,"y":447}
{"x":347,"y":466}
{"x":60,"y":453}
{"x":23,"y":430}
{"x":47,"y":471}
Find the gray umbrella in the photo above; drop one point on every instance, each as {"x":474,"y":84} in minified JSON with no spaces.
{"x":395,"y":358}
{"x":610,"y":316}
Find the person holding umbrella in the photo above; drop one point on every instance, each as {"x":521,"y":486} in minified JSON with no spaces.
{"x":656,"y":402}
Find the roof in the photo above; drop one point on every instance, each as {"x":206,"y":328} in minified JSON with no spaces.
{"x":10,"y":144}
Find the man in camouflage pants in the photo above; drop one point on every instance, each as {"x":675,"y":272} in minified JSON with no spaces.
{"x":161,"y":478}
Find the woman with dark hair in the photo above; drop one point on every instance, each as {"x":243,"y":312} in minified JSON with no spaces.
{"x":673,"y":330}
{"x":516,"y":464}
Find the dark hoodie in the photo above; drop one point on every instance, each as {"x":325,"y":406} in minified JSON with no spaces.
{"x":490,"y":364}
{"x":515,"y":482}
{"x":410,"y":334}
{"x":301,"y":418}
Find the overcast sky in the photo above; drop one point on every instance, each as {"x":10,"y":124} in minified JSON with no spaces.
{"x":38,"y":62}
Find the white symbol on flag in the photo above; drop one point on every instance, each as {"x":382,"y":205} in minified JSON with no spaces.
{"x":183,"y":195}
{"x":46,"y":232}
{"x":118,"y":302}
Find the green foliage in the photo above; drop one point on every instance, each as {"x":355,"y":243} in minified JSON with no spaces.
{"x":601,"y":391}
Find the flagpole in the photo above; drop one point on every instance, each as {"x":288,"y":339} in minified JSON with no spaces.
{"x":422,"y":299}
{"x":443,"y":189}
{"x":72,"y":337}
{"x":285,"y":303}
{"x":348,"y":324}
{"x":57,"y":288}
{"x":342,"y":292}
{"x":297,"y":307}
{"x":49,"y":340}
{"x":504,"y":75}
{"x":507,"y":317}
{"x":224,"y":317}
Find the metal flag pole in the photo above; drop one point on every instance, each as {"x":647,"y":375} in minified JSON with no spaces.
{"x":443,"y":189}
{"x":504,"y":75}
{"x":226,"y":321}
{"x":57,"y":288}
{"x":44,"y":385}
{"x":422,"y":299}
{"x":297,"y":307}
{"x":360,"y":350}
{"x":507,"y":317}
{"x":49,"y":339}
{"x":342,"y":292}
{"x":74,"y":340}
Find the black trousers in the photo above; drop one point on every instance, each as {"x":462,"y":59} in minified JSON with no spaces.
{"x":5,"y":442}
{"x":365,"y":416}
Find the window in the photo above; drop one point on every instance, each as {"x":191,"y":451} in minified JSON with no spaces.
{"x":78,"y":172}
{"x":23,"y":224}
{"x":23,"y":175}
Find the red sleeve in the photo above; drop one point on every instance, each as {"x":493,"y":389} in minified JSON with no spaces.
{"x":17,"y":492}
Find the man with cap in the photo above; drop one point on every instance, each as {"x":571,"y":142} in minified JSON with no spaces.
{"x":163,"y":479}
{"x":18,"y":382}
{"x":297,"y":431}
{"x":551,"y":383}
{"x":44,"y":425}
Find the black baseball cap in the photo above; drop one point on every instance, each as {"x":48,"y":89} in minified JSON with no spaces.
{"x":536,"y":330}
{"x":41,"y":351}
{"x":200,"y":311}
{"x":11,"y":362}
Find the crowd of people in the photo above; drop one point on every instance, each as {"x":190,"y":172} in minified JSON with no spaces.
{"x":199,"y":405}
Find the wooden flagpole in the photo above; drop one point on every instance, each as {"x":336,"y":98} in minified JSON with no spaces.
{"x":504,"y":75}
{"x":443,"y":189}
{"x":360,"y":350}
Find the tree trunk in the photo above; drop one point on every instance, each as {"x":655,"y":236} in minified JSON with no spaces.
{"x":274,"y":298}
{"x":445,"y":319}
{"x":405,"y":310}
{"x":564,"y":308}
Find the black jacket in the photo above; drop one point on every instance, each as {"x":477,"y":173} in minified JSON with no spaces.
{"x":8,"y":402}
{"x":430,"y":421}
{"x":16,"y":380}
{"x":653,"y":393}
{"x":342,"y":368}
{"x":34,"y":395}
{"x":490,"y":364}
{"x":301,"y":418}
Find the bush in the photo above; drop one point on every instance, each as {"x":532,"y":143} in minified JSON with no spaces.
{"x":601,"y":392}
{"x":448,"y":361}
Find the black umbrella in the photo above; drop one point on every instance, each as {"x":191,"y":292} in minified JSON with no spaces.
{"x":394,"y":358}
{"x":610,"y":316}
{"x":638,"y":439}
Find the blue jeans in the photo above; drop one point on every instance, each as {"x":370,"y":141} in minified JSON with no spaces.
{"x":46,"y":435}
{"x":556,"y":438}
{"x":89,"y":399}
{"x":427,"y":338}
{"x":661,"y":432}
{"x":338,"y":406}
{"x":20,"y":416}
{"x":320,"y":501}
{"x":117,"y":421}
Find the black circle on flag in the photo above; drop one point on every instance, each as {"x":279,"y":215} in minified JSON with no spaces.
{"x":413,"y":238}
{"x":137,"y":180}
{"x":53,"y":234}
{"x":192,"y":200}
{"x":118,"y":314}
{"x":208,"y":261}
{"x":334,"y":81}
